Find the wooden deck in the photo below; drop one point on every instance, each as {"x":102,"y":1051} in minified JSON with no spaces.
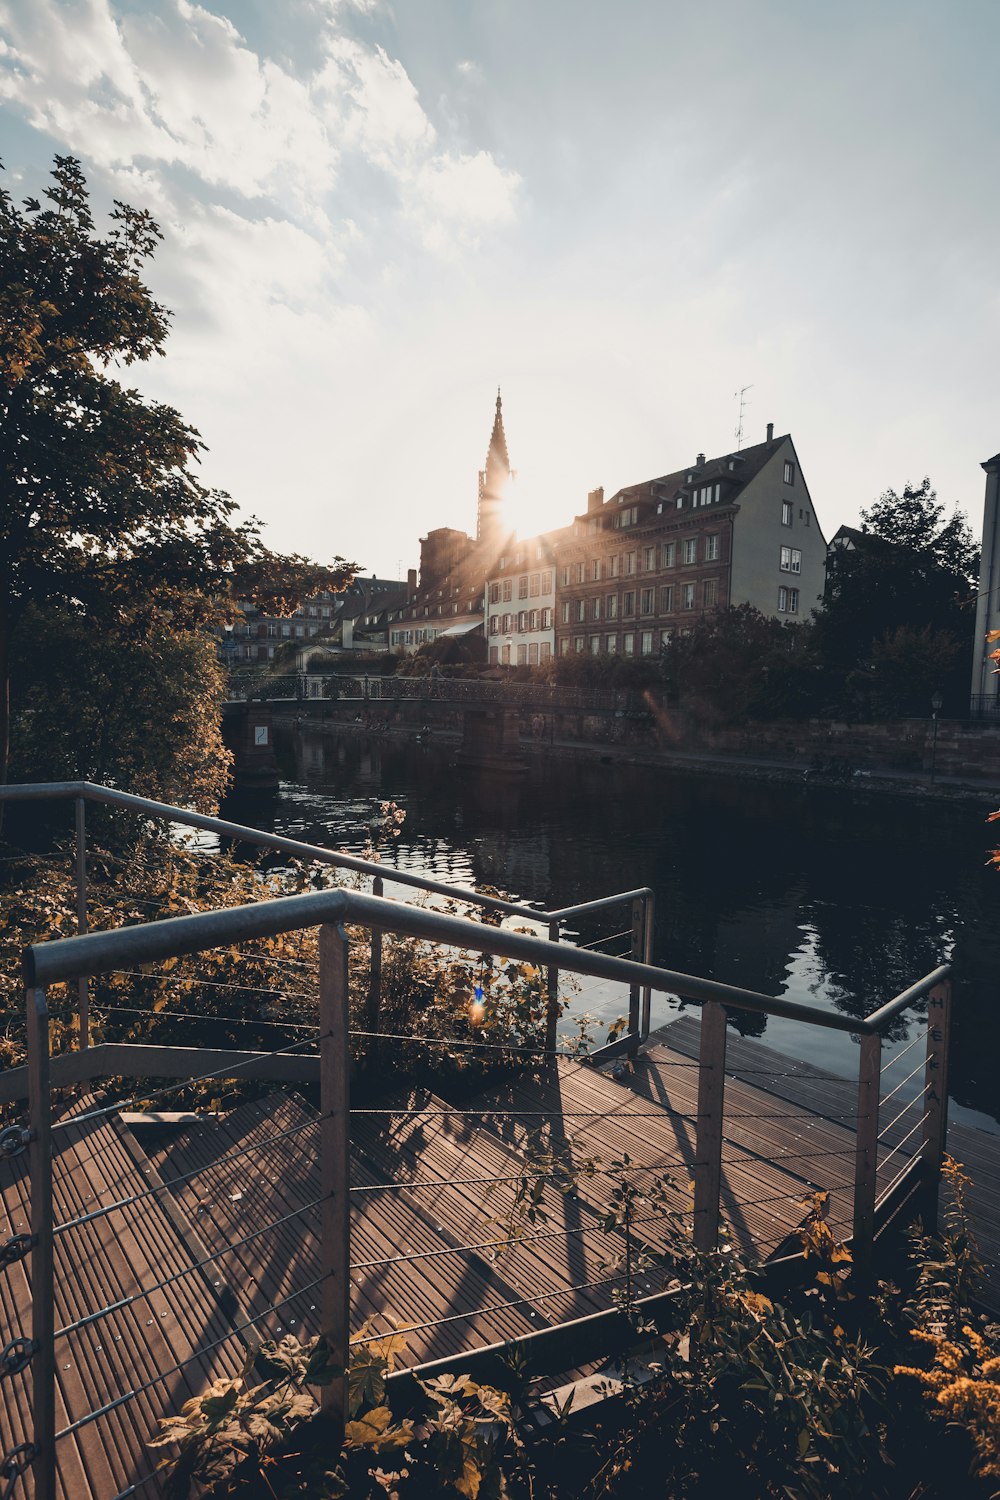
{"x":240,"y":1195}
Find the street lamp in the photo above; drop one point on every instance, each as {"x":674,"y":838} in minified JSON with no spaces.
{"x":937,"y":703}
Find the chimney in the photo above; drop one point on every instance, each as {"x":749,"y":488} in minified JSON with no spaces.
{"x":700,"y":461}
{"x":595,"y":499}
{"x":411,"y":580}
{"x":770,"y":432}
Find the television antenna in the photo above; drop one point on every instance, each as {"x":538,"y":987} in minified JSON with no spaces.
{"x":741,"y":397}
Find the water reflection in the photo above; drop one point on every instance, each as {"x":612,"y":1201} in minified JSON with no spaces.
{"x":809,"y":892}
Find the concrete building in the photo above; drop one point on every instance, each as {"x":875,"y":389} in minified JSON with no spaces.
{"x":741,"y":528}
{"x":985,"y":681}
{"x":354,"y":620}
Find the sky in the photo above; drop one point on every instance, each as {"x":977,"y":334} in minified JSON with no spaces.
{"x":376,"y":212}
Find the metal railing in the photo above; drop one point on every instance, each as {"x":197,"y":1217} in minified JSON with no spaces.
{"x":292,"y":687}
{"x":639,"y":904}
{"x":721,"y":1127}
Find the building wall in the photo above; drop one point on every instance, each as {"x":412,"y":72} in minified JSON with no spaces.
{"x":985,"y":681}
{"x":640,"y":583}
{"x":760,"y":534}
{"x":520,"y":611}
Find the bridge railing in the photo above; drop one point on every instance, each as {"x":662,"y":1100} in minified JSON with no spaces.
{"x":304,"y":687}
{"x":718,"y":1136}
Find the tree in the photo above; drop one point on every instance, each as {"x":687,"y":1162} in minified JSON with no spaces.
{"x":101,"y":513}
{"x":127,"y":702}
{"x":909,"y":569}
{"x":737,"y":664}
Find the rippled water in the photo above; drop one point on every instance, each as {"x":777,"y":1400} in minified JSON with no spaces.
{"x":834,"y":898}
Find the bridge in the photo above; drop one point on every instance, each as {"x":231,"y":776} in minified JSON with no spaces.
{"x":148,"y":1249}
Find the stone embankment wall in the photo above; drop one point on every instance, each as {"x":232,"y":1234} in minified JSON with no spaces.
{"x":965,"y":749}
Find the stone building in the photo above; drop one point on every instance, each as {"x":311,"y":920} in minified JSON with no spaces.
{"x":741,"y":528}
{"x":449,"y":599}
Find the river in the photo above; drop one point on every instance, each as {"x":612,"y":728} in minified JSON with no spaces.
{"x":830,"y":896}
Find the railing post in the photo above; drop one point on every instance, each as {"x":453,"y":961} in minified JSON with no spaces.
{"x":335,"y":1167}
{"x":866,"y":1153}
{"x":551,"y":995}
{"x":648,"y":916}
{"x":374,"y":1010}
{"x":635,"y":953}
{"x":43,"y":1363}
{"x":83,"y":992}
{"x":935,"y":1136}
{"x":711,"y":1102}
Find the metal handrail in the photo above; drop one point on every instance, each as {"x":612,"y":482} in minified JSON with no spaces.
{"x":96,"y":952}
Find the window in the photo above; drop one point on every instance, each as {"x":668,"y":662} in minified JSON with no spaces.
{"x":646,"y":643}
{"x":522,"y":586}
{"x":522,"y":621}
{"x":687,"y":596}
{"x":629,"y":564}
{"x":494,"y":624}
{"x":564,"y":578}
{"x":614,"y":565}
{"x":581,"y":572}
{"x":646,"y":598}
{"x":522,"y":656}
{"x":508,"y":590}
{"x":532,"y":619}
{"x":628,"y":604}
{"x":502,"y":564}
{"x":649,"y":558}
{"x":494,"y":593}
{"x":790,"y":560}
{"x":533,"y":654}
{"x":595,"y":569}
{"x":626,"y":517}
{"x":494,"y":656}
{"x":668,"y":554}
{"x":666,"y":636}
{"x":629,"y":643}
{"x":544,"y":651}
{"x":272,"y":628}
{"x":595,"y":645}
{"x":789,"y":473}
{"x":711,"y":595}
{"x":508,"y":622}
{"x":691,"y":550}
{"x":547,"y":581}
{"x":581,"y":607}
{"x":546,"y":619}
{"x":505,"y":656}
{"x":534,"y":585}
{"x":786,"y":513}
{"x":519,"y":557}
{"x":579,"y":642}
{"x":611,"y":613}
{"x":788,"y":601}
{"x":611,"y":644}
{"x":667,"y":600}
{"x":564,"y":646}
{"x":796,"y":560}
{"x":712,"y":547}
{"x":565,"y":611}
{"x":595,"y":608}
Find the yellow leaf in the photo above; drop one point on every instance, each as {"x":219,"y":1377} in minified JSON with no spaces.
{"x":993,"y":635}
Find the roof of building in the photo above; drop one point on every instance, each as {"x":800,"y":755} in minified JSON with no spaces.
{"x":743,"y":465}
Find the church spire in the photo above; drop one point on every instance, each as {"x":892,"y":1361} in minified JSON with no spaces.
{"x":493,"y":479}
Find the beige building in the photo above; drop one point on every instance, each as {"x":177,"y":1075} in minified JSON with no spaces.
{"x":521,"y":604}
